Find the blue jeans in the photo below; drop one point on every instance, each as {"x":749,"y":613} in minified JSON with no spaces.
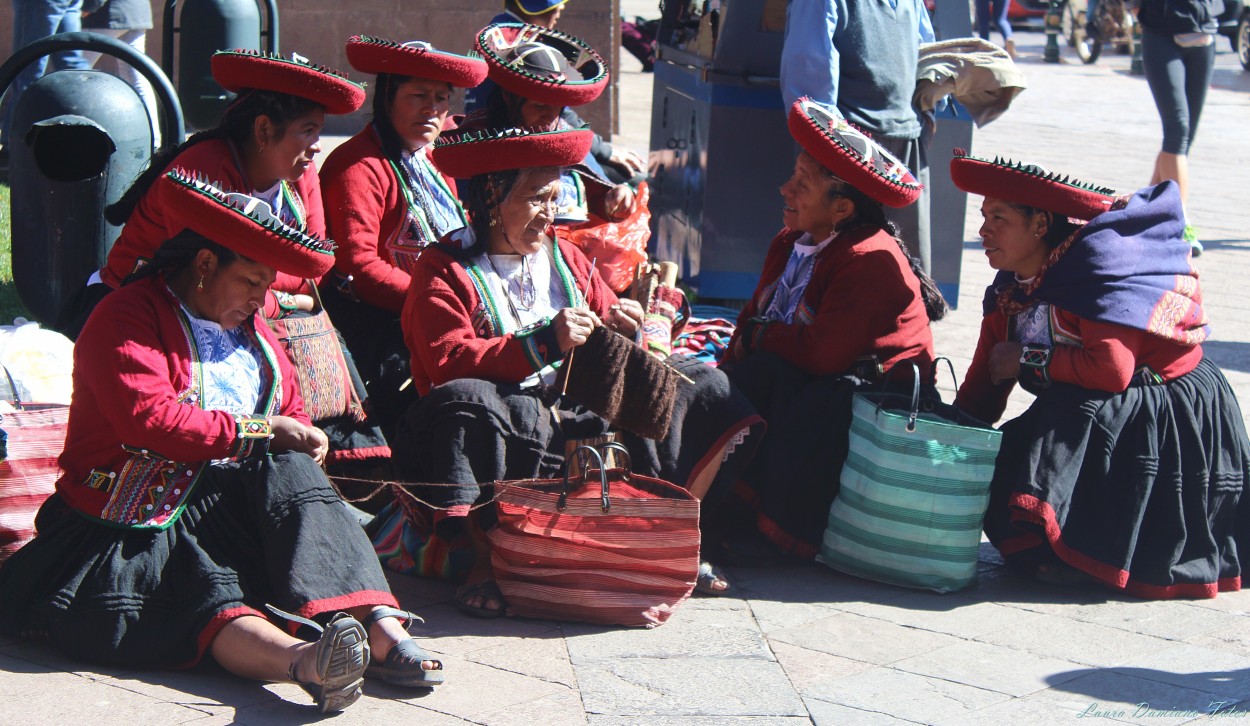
{"x":993,"y":12}
{"x":32,"y":20}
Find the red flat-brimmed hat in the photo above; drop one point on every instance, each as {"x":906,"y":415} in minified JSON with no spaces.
{"x":416,"y":59}
{"x":542,"y":64}
{"x":852,"y":155}
{"x":1030,"y":185}
{"x":238,"y":69}
{"x":244,"y":224}
{"x":482,"y":152}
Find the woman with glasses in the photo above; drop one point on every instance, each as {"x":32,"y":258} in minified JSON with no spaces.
{"x":494,"y":311}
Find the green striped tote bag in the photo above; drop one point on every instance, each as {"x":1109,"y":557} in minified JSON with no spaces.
{"x":915,"y":487}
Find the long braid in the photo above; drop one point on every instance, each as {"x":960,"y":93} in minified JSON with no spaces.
{"x":177,"y":252}
{"x":870,"y":212}
{"x":236,"y":126}
{"x":392,"y":145}
{"x":487,"y":192}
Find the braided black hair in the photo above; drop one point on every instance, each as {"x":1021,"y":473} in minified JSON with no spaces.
{"x":868,"y":211}
{"x":177,"y":253}
{"x":486,"y":192}
{"x":236,"y":126}
{"x":1059,"y":229}
{"x":393,"y":146}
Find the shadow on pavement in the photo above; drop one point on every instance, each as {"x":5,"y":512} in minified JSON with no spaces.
{"x":1228,"y":355}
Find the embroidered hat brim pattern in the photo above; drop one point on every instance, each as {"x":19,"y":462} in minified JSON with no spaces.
{"x":238,"y":69}
{"x":243,"y":224}
{"x":497,"y":42}
{"x":418,"y":60}
{"x":852,"y":155}
{"x":1030,"y":185}
{"x":481,"y":152}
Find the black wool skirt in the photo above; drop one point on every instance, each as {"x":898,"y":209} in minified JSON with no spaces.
{"x":1144,"y":490}
{"x":470,"y":432}
{"x":263,"y":532}
{"x":796,"y":472}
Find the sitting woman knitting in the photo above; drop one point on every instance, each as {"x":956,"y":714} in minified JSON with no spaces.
{"x":494,"y":311}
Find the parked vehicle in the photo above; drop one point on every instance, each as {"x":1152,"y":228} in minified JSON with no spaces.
{"x":1235,"y":25}
{"x":1112,"y":25}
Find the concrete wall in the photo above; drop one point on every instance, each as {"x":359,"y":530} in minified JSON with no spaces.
{"x":317,"y":29}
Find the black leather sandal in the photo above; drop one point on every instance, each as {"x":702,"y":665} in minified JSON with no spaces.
{"x":402,"y":665}
{"x":341,"y":656}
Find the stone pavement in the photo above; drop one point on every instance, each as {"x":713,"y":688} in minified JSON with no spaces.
{"x":802,"y":644}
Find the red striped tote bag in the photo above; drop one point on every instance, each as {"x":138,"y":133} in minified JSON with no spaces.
{"x":607,"y":547}
{"x":28,"y":473}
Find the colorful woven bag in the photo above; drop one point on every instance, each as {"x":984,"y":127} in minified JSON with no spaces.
{"x":610,"y":547}
{"x":325,"y":381}
{"x":28,"y":470}
{"x":915,"y":488}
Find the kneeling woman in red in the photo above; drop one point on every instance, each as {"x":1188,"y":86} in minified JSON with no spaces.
{"x":840,"y":303}
{"x":1130,"y":467}
{"x":192,"y":497}
{"x":492,"y":310}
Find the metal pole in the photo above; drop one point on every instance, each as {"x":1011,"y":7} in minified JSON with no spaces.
{"x":271,"y":15}
{"x":1054,"y":21}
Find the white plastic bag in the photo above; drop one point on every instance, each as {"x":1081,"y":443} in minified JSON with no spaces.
{"x":39,"y":362}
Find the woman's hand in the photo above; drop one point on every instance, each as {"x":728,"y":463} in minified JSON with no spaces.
{"x":304,"y":302}
{"x":1005,"y":362}
{"x":619,"y":202}
{"x":628,"y":160}
{"x":573,"y":326}
{"x":291,"y":435}
{"x":625,"y":317}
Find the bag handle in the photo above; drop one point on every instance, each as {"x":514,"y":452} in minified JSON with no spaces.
{"x":617,"y":446}
{"x":17,"y":396}
{"x":915,"y":393}
{"x":583,"y":451}
{"x":949,"y":366}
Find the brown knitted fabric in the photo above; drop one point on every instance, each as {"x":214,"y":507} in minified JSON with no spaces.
{"x":621,"y":382}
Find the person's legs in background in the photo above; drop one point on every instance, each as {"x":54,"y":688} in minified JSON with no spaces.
{"x":1178,"y":79}
{"x":999,"y":11}
{"x":136,"y":39}
{"x":32,"y":20}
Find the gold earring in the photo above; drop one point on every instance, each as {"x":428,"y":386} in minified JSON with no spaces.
{"x":201,"y":285}
{"x":493,"y":221}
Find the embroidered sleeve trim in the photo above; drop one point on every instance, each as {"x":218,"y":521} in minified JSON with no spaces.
{"x":540,"y":343}
{"x":253,"y":435}
{"x":1035,"y":364}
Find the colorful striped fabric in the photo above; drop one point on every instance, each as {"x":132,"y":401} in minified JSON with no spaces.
{"x":912,"y":502}
{"x":36,"y":436}
{"x":630,"y":565}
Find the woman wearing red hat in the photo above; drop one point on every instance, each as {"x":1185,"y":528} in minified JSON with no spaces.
{"x":192,"y":496}
{"x":839,"y":304}
{"x":538,"y":84}
{"x":492,"y":311}
{"x":265,"y":145}
{"x":385,"y":202}
{"x":1130,"y":468}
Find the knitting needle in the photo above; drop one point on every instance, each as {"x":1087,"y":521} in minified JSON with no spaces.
{"x":568,"y":365}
